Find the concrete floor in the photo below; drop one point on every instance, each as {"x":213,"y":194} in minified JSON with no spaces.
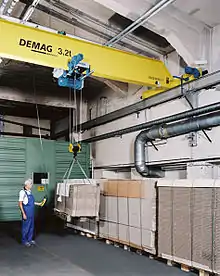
{"x":68,"y":254}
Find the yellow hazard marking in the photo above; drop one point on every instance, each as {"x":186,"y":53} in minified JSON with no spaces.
{"x":40,"y":188}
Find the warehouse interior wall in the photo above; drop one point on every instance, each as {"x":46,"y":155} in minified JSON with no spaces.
{"x":7,"y":127}
{"x":178,"y":148}
{"x":216,"y":48}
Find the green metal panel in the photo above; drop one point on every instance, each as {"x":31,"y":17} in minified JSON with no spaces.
{"x":41,"y":160}
{"x":63,"y":159}
{"x":12,"y":175}
{"x":20,"y":157}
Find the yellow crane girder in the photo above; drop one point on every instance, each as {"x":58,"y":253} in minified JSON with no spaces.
{"x":33,"y":45}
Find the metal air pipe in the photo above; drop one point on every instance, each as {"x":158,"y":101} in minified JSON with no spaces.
{"x":165,"y":120}
{"x":167,"y":131}
{"x":142,"y":19}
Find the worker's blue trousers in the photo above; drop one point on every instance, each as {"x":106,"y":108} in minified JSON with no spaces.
{"x":28,"y":224}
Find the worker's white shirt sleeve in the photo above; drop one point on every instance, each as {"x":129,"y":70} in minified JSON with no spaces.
{"x":23,"y":197}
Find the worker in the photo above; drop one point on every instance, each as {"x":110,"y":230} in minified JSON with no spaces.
{"x":26,"y":205}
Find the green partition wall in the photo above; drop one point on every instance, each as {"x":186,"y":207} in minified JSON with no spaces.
{"x":19,"y":157}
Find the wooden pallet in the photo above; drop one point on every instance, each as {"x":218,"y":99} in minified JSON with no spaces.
{"x":187,"y":268}
{"x":83,"y":232}
{"x":127,"y":246}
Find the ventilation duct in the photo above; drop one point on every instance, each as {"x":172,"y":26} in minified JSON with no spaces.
{"x":165,"y":132}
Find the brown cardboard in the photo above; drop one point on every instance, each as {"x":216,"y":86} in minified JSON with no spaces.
{"x":182,"y":236}
{"x":202,"y":221}
{"x":111,"y":188}
{"x":134,"y":188}
{"x":165,"y":221}
{"x":122,"y":188}
{"x":83,"y":201}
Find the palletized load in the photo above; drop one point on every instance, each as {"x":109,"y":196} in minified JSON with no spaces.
{"x":128,"y":213}
{"x":188,"y":222}
{"x":78,"y":198}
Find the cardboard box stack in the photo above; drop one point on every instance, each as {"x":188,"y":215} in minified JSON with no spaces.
{"x":128,"y":212}
{"x":87,"y":225}
{"x":189,"y":222}
{"x":78,"y":198}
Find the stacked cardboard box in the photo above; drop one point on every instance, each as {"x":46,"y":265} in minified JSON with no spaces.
{"x":188,"y":222}
{"x":78,"y":199}
{"x":165,"y":206}
{"x":87,"y":225}
{"x":128,"y":212}
{"x":216,"y":230}
{"x":60,"y":203}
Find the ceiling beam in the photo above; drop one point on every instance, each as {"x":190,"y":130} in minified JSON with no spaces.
{"x":22,"y":135}
{"x":41,"y":97}
{"x":21,"y":124}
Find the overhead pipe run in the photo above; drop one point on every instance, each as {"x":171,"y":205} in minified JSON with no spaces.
{"x":165,"y":132}
{"x":141,"y":20}
{"x":165,"y":120}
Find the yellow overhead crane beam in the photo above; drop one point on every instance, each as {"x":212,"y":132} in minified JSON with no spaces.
{"x":33,"y":45}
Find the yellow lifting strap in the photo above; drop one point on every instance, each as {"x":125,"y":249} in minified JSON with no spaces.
{"x":33,"y":45}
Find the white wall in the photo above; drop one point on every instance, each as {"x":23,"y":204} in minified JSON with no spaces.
{"x":30,"y":121}
{"x":216,"y":48}
{"x":118,"y":151}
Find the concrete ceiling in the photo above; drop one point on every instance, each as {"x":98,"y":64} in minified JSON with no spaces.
{"x":22,"y":85}
{"x":184,"y":24}
{"x":202,"y":10}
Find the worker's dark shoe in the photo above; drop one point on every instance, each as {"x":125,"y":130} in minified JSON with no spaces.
{"x":32,"y":243}
{"x":27,"y":244}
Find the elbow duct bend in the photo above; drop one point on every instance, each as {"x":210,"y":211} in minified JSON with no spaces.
{"x":140,"y":153}
{"x":165,"y":132}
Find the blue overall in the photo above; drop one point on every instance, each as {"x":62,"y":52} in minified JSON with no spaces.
{"x":28,"y":224}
